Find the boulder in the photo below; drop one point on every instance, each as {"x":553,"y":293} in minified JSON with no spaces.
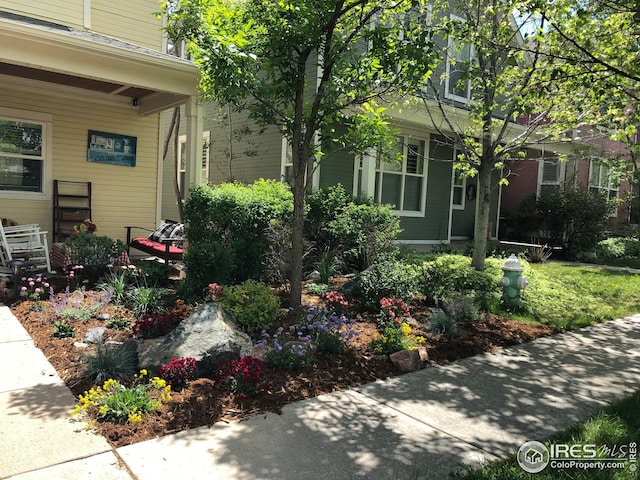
{"x":410,"y":360}
{"x":210,"y":335}
{"x":94,"y":335}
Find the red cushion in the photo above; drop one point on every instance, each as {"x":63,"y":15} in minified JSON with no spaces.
{"x":157,"y":248}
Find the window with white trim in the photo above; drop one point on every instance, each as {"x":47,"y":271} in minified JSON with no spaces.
{"x":602,"y":180}
{"x":286,"y":162}
{"x":459,"y":58}
{"x":551,"y":172}
{"x":182,"y":161}
{"x":403,"y":184}
{"x":23,"y":154}
{"x":459,"y":189}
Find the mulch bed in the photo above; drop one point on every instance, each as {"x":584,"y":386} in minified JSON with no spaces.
{"x":202,"y":402}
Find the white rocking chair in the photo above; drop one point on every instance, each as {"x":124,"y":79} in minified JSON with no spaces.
{"x":24,"y":242}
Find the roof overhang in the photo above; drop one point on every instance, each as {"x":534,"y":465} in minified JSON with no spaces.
{"x":59,"y":55}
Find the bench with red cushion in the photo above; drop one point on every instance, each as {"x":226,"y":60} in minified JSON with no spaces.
{"x":163,"y":247}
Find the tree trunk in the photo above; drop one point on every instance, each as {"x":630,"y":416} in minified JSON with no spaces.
{"x":481,"y":229}
{"x":297,"y":244}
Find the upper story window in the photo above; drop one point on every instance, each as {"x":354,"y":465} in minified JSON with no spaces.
{"x":602,"y":180}
{"x":403,"y":184}
{"x":459,"y":58}
{"x":24,"y":153}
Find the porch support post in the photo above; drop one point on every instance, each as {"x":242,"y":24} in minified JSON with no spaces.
{"x":368,"y":183}
{"x":194,"y":113}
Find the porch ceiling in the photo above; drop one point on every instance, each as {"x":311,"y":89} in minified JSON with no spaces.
{"x":74,"y":81}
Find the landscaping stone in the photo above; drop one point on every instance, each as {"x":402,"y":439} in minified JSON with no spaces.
{"x":410,"y":360}
{"x":313,"y":276}
{"x":210,"y":335}
{"x":104,"y":316}
{"x":94,"y":335}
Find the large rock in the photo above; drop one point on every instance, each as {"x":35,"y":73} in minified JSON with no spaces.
{"x":410,"y":360}
{"x":210,"y":335}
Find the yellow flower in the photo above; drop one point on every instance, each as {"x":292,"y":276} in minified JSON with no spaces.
{"x":111,"y":385}
{"x":103,"y":410}
{"x":166,"y":394}
{"x":143,"y":372}
{"x":158,"y":383}
{"x":406,"y":329}
{"x":135,"y":417}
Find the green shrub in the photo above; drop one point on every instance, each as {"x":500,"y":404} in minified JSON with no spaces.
{"x":449,"y":276}
{"x":387,"y":279}
{"x":614,"y":251}
{"x":575,"y":219}
{"x":253,"y":304}
{"x":366,"y":234}
{"x":225,"y":227}
{"x":323,"y":206}
{"x":92,"y":250}
{"x":118,"y":362}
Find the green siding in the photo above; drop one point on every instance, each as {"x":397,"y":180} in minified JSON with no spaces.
{"x":237,"y":151}
{"x":337,"y":168}
{"x":463,"y":221}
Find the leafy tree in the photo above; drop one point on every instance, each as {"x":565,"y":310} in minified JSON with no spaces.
{"x":594,"y":47}
{"x":306,"y":66}
{"x":511,"y":94}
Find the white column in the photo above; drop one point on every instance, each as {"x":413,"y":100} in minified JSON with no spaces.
{"x":368,"y":182}
{"x":194,"y":113}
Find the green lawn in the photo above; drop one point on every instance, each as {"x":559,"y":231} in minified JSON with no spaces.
{"x":618,"y":424}
{"x":572,"y":297}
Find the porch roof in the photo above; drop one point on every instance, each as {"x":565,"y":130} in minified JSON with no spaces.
{"x":148,"y":80}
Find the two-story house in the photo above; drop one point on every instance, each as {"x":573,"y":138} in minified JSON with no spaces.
{"x":435,"y":204}
{"x":84,"y":84}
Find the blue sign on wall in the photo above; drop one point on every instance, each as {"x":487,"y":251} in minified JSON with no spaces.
{"x":111,"y":148}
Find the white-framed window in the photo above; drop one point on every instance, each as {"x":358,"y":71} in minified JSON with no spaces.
{"x":551,"y":173}
{"x":182,"y":160}
{"x":602,"y":180}
{"x":459,"y":58}
{"x":25,"y":153}
{"x":404,"y":184}
{"x":286,"y":162}
{"x":459,"y":190}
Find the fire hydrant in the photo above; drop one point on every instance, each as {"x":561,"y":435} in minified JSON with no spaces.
{"x":513,"y":282}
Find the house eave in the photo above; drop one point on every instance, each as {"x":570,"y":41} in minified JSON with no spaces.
{"x":165,"y":79}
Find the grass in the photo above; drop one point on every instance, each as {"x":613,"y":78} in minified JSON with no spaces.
{"x":571,"y":297}
{"x":618,"y":424}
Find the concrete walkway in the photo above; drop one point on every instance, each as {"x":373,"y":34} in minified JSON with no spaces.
{"x":420,"y":425}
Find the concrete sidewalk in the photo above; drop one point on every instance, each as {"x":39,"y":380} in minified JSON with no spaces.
{"x":420,"y":425}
